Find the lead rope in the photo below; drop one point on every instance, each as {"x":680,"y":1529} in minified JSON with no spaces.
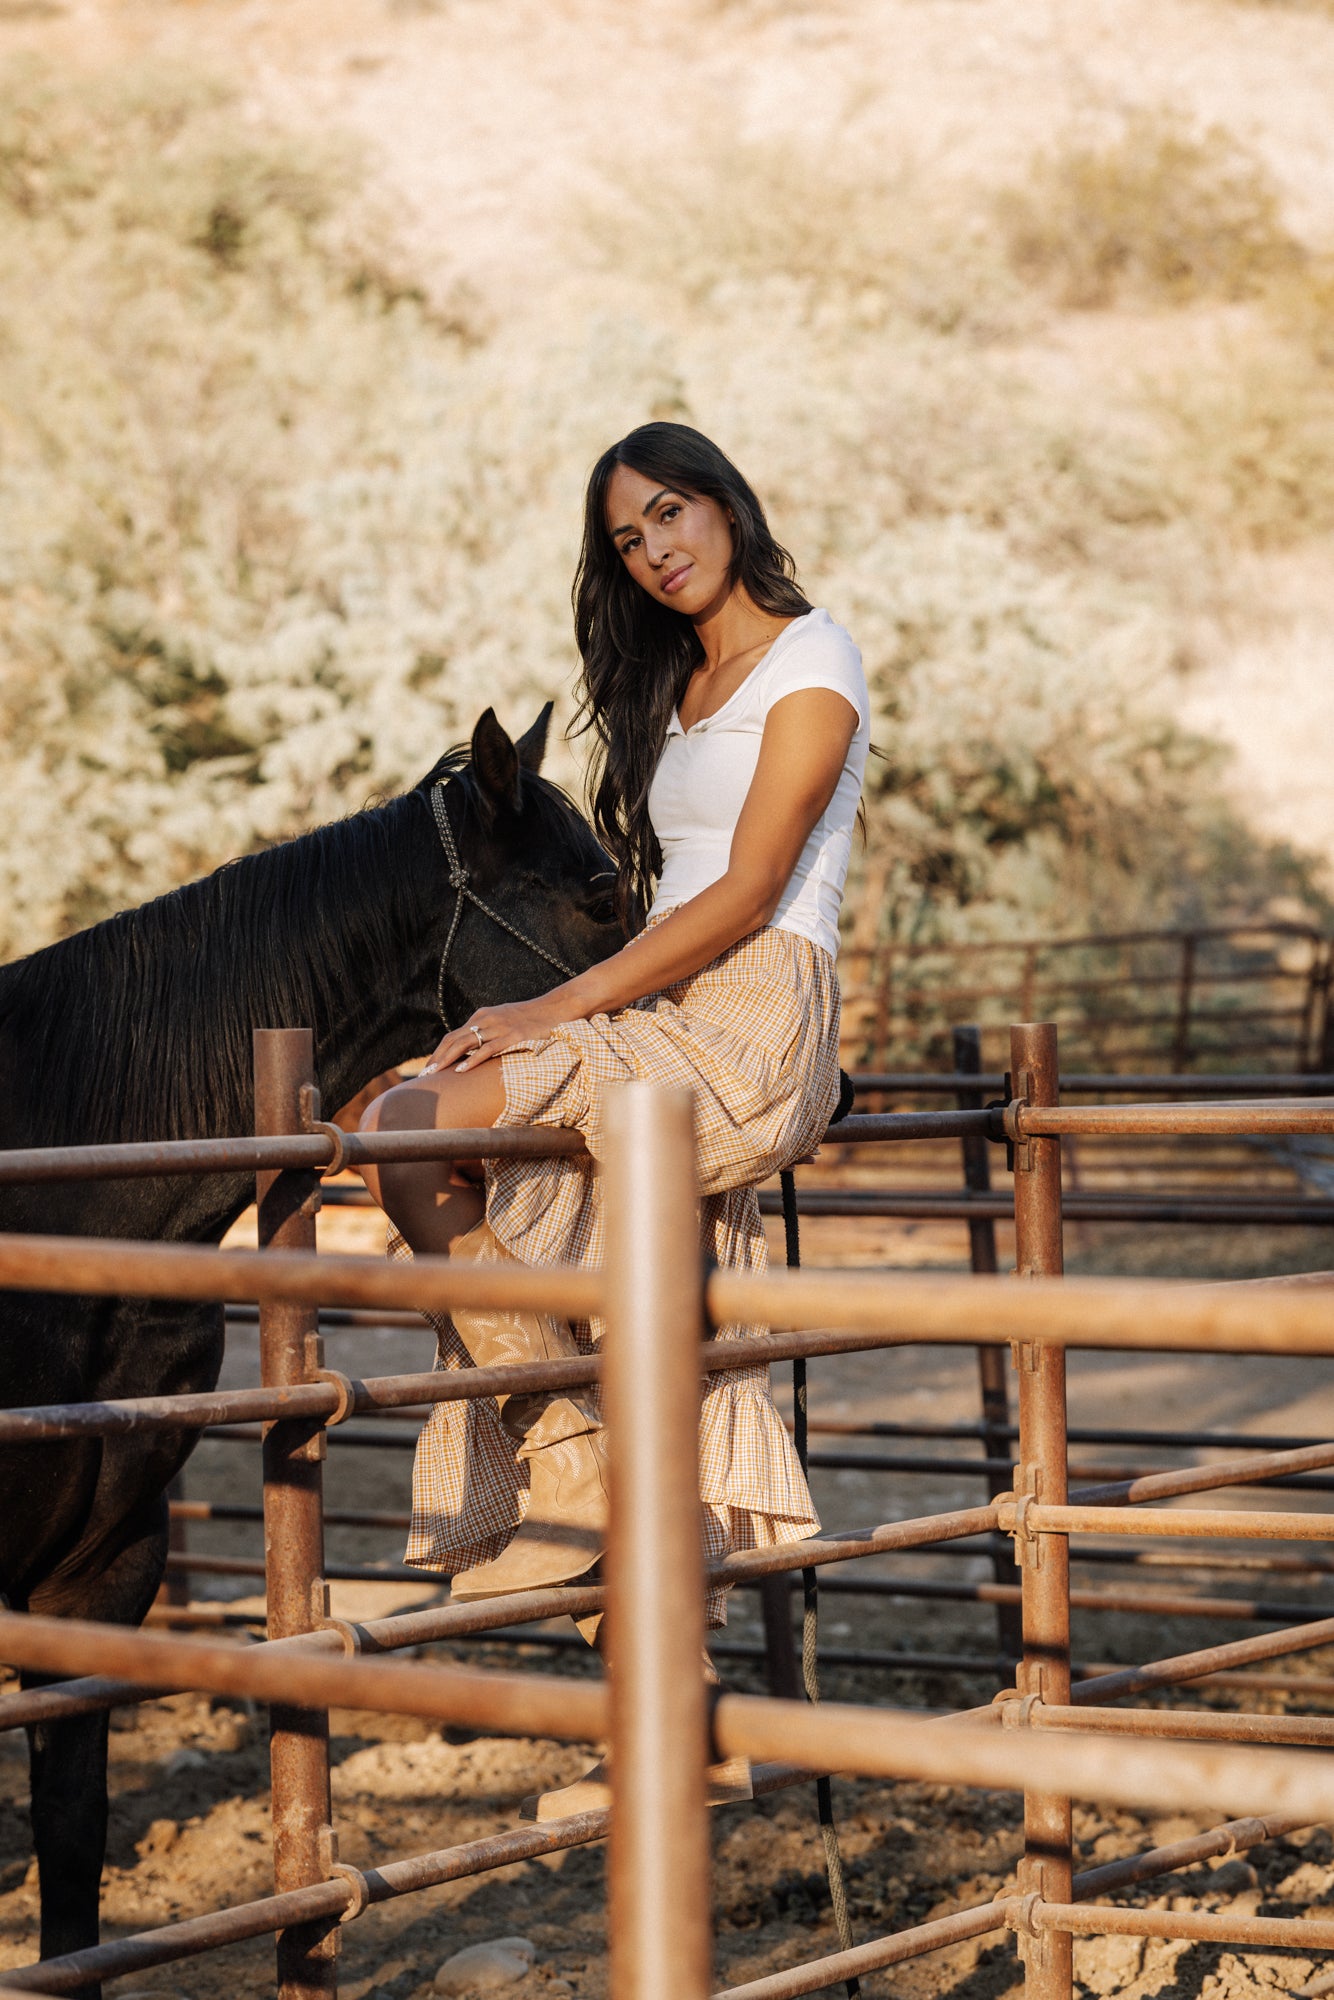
{"x":460,"y":881}
{"x":810,"y":1610}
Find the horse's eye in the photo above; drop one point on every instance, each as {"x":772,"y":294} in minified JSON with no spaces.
{"x":600,"y":907}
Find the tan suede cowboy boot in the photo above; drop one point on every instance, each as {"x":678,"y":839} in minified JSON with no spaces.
{"x":560,"y":1437}
{"x":727,"y":1783}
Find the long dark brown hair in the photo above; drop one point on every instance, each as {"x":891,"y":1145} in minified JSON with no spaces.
{"x":638,"y":654}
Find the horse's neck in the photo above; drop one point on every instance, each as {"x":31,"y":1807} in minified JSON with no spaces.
{"x":350,"y":1056}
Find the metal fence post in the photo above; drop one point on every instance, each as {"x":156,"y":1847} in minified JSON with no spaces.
{"x":289,"y":1351}
{"x":1044,"y":1560}
{"x":659,"y":1870}
{"x":990,"y":1360}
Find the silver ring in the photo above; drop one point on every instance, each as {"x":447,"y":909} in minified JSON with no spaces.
{"x":477,"y":1031}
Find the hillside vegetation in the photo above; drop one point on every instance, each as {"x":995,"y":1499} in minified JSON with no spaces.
{"x":276,"y":523}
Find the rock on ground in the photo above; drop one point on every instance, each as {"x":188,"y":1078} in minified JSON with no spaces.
{"x":486,"y":1968}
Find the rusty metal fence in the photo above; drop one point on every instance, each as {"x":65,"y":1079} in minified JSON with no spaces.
{"x":1047,"y":1738}
{"x":1211,"y":998}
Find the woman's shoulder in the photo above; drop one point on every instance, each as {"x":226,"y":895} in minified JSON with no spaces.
{"x":814,"y":651}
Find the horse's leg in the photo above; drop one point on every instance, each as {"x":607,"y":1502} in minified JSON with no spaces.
{"x":433,"y":1203}
{"x":69,"y":1759}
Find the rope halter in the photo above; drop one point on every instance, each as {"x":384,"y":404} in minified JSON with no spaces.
{"x":460,"y":881}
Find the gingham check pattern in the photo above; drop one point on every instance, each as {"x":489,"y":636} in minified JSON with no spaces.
{"x":754,"y":1036}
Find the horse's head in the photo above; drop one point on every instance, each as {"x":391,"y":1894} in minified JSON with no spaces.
{"x":529,"y":855}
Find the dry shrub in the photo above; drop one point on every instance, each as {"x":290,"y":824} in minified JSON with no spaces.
{"x":1254,"y":443}
{"x":1033,"y":781}
{"x":275,"y":527}
{"x":1248,"y":429}
{"x":839,"y":239}
{"x":253,"y":562}
{"x":1161,"y":213}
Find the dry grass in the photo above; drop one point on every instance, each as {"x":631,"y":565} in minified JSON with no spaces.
{"x":273,"y":528}
{"x":1161,"y":214}
{"x":1325,"y":7}
{"x":1253,"y":443}
{"x":841,"y":239}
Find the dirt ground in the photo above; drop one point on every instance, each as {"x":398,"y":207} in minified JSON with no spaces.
{"x":189,"y":1777}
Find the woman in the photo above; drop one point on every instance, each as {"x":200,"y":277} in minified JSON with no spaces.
{"x":730,"y":723}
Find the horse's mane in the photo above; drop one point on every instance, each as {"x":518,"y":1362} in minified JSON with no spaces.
{"x":140,"y":1027}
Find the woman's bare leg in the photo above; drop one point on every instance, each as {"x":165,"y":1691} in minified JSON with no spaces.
{"x":433,"y":1203}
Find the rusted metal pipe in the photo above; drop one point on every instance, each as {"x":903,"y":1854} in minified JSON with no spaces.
{"x":893,"y":1743}
{"x":399,"y":1631}
{"x":932,"y":1204}
{"x":1076,"y":1434}
{"x":442,"y":1623}
{"x":923,"y":1532}
{"x":1157,"y":1603}
{"x":380,"y":1437}
{"x":1043,"y":1559}
{"x":868,"y":1311}
{"x":1106,"y":1083}
{"x":1181,"y":1667}
{"x":271,"y":1152}
{"x":1204,"y":1926}
{"x":171,"y":1943}
{"x":334,"y":1572}
{"x":660,"y":1932}
{"x":992,"y":1375}
{"x":315,"y":1151}
{"x":1095,"y":1313}
{"x":1225,"y":1522}
{"x":1235,"y":1836}
{"x":290,"y":1352}
{"x":820,"y":1974}
{"x":876,"y":1742}
{"x":334,"y":1517}
{"x":1198,"y":1725}
{"x":1245,"y":1117}
{"x":880,"y":1127}
{"x":512,"y":1704}
{"x":1205,"y":1478}
{"x":313,"y":1401}
{"x":1109,"y":1205}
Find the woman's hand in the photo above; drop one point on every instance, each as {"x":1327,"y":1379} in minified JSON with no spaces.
{"x":491,"y":1031}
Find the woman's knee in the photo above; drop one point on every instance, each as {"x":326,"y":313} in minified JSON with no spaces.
{"x":440,"y":1101}
{"x":404,"y":1107}
{"x":393,"y":1187}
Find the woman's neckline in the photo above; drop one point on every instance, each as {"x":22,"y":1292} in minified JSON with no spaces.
{"x":746,"y":678}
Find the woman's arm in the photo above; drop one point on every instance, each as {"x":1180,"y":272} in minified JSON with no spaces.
{"x":802,"y":753}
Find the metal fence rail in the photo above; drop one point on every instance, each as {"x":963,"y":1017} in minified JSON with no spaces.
{"x":1175,"y":999}
{"x":1051,"y":1738}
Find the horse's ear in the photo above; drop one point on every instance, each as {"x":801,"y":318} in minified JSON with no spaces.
{"x":532,"y":745}
{"x":495,"y":762}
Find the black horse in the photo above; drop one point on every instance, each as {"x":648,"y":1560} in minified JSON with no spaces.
{"x":140,"y":1028}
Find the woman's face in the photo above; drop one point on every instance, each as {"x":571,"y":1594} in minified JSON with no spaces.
{"x":677,"y":546}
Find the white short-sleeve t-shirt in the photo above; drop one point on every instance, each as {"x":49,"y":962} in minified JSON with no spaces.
{"x":705,"y":772}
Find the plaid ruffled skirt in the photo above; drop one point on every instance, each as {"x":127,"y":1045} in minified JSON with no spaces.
{"x":754,"y":1037}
